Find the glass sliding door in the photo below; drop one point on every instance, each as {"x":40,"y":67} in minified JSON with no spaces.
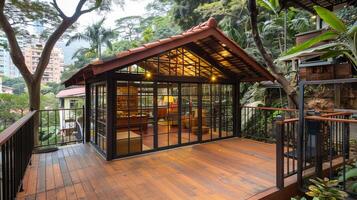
{"x":217,"y":111}
{"x":189,"y":113}
{"x":98,"y":116}
{"x":227,"y":111}
{"x":135,"y":117}
{"x":167,"y":114}
{"x":210,"y":111}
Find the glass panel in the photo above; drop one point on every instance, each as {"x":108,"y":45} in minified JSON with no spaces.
{"x":93,"y":96}
{"x":167,"y":98}
{"x":135,"y":118}
{"x":98,"y":115}
{"x":217,"y":111}
{"x":189,"y":113}
{"x":132,"y":69}
{"x":101,"y":117}
{"x":227,"y":111}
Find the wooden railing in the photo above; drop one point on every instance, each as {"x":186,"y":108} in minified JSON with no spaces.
{"x":17,"y":143}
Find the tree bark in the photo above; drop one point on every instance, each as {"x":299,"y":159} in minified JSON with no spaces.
{"x":289,"y":90}
{"x":34,"y":90}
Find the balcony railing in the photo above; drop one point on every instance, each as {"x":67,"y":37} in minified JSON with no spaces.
{"x":325,"y":141}
{"x":16,"y":144}
{"x":257,"y":122}
{"x":58,"y":127}
{"x":324,"y":146}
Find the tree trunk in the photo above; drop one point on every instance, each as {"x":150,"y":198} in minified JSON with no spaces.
{"x":34,"y":90}
{"x":289,"y":90}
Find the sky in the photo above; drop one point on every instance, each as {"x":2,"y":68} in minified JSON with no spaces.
{"x":131,"y":7}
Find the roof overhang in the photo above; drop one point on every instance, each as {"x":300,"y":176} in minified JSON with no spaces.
{"x":308,"y":5}
{"x":189,"y":39}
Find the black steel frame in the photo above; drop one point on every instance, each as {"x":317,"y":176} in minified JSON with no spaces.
{"x":301,"y":125}
{"x":111,"y":77}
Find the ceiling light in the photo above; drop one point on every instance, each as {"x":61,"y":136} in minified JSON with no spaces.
{"x":148,"y":75}
{"x":213,"y":78}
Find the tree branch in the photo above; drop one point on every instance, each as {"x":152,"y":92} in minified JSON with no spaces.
{"x":52,"y":40}
{"x":290,"y":91}
{"x":61,"y":13}
{"x":15,"y":50}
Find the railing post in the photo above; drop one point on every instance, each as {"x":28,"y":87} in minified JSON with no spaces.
{"x":300,"y":136}
{"x":315,"y":131}
{"x":279,"y":134}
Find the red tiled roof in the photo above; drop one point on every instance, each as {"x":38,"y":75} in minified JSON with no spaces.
{"x":203,"y":30}
{"x":71,"y":92}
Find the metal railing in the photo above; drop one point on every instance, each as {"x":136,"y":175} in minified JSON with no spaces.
{"x":58,"y":127}
{"x":4,"y":123}
{"x":16,"y":144}
{"x":332,"y":146}
{"x":257,"y":122}
{"x":286,"y":148}
{"x":324,"y":146}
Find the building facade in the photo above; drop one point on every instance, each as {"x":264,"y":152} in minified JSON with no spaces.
{"x":55,"y":66}
{"x":7,"y":67}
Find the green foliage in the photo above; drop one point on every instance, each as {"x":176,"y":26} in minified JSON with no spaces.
{"x":313,"y":41}
{"x":183,"y":15}
{"x":129,"y":27}
{"x":96,"y":35}
{"x":49,"y":101}
{"x":18,"y":84}
{"x":272,"y":5}
{"x":331,"y":19}
{"x":344,"y":45}
{"x":51,"y":87}
{"x":135,"y":31}
{"x":12,"y":107}
{"x":325,"y":189}
{"x":25,"y":13}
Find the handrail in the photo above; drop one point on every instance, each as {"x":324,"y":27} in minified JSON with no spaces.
{"x":317,"y":118}
{"x":11,"y":130}
{"x":337,"y":114}
{"x":324,"y":116}
{"x":290,"y":120}
{"x":16,"y":143}
{"x":271,"y":108}
{"x":62,"y":109}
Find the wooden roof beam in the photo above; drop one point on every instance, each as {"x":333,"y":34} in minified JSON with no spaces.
{"x":194,"y":48}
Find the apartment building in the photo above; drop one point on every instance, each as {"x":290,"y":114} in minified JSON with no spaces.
{"x":54,"y":69}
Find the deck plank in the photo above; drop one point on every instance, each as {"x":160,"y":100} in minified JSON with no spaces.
{"x":227,"y":169}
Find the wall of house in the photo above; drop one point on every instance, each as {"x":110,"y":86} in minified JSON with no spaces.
{"x":326,"y":72}
{"x":77,"y":101}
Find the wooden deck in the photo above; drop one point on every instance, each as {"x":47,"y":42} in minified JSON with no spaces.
{"x":227,"y":169}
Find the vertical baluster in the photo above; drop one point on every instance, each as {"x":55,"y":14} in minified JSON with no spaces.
{"x":344,"y":137}
{"x":75,"y":121}
{"x":48,"y":128}
{"x":293,"y":144}
{"x":62,"y":128}
{"x":287,"y":126}
{"x":56,"y":124}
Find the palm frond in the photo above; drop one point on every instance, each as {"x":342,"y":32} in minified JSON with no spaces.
{"x":77,"y":37}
